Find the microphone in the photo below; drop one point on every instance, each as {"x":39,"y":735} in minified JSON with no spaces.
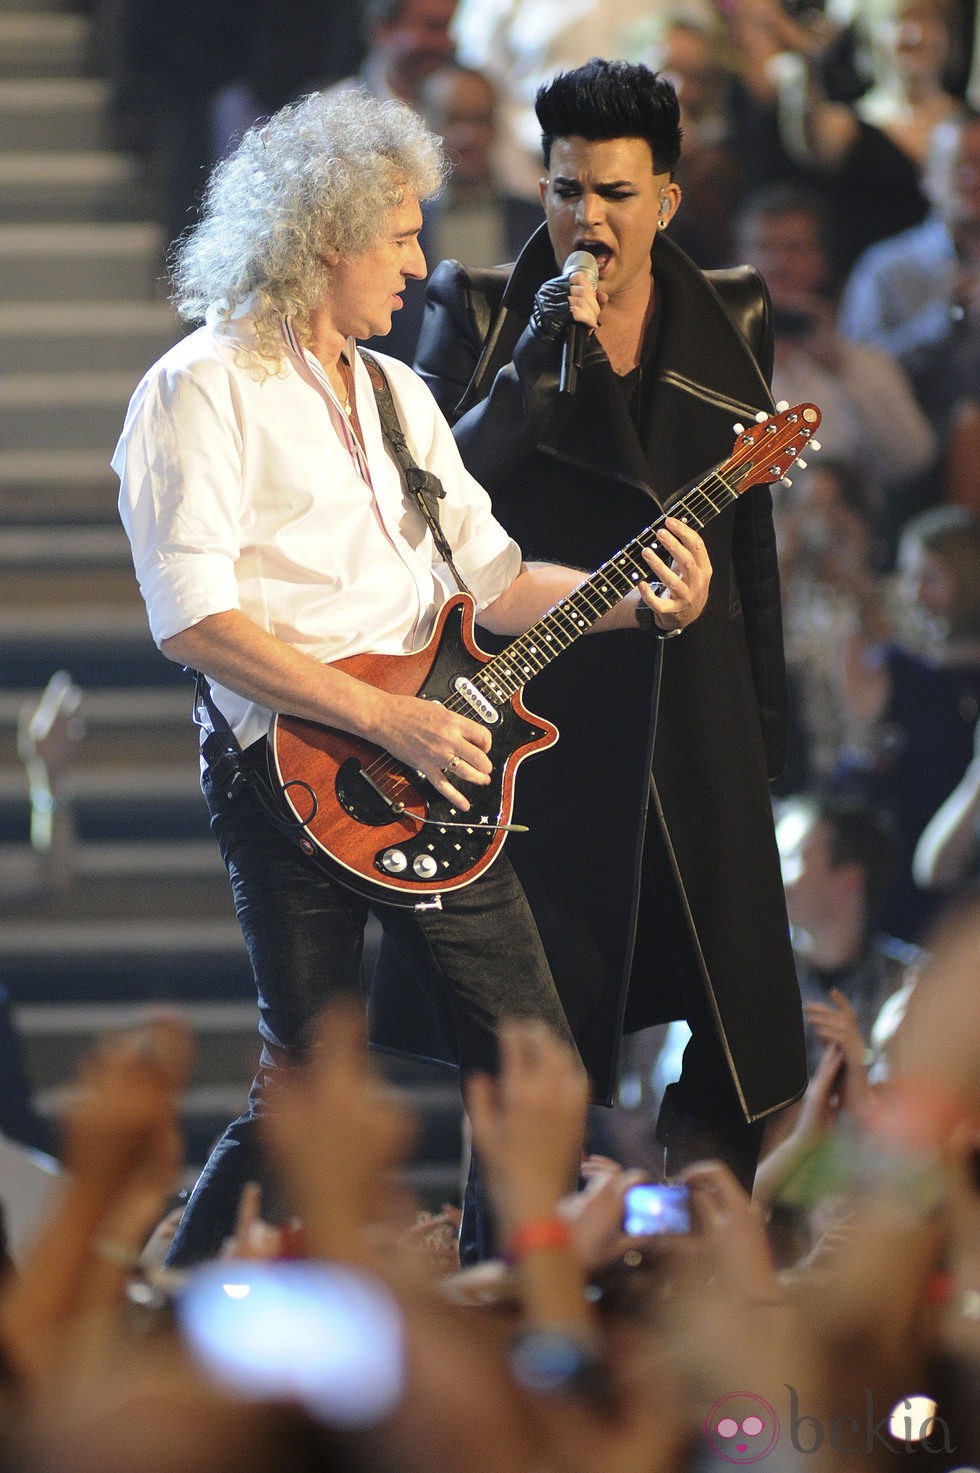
{"x":573,"y":348}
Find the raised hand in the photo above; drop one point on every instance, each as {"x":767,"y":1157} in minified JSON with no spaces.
{"x":528,"y":1123}
{"x":336,"y":1132}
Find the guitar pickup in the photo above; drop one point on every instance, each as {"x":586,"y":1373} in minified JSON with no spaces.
{"x":475,"y":698}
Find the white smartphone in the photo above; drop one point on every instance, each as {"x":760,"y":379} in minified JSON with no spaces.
{"x":312,"y":1333}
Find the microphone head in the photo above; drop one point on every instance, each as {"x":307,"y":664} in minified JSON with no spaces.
{"x":585,"y":262}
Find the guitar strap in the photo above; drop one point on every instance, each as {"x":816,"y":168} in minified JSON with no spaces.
{"x":425,"y":489}
{"x":226,"y":764}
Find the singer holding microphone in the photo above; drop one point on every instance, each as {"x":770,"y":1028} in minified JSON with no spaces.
{"x":583,"y":400}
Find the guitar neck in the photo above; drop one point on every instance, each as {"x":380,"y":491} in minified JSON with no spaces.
{"x":576,"y":613}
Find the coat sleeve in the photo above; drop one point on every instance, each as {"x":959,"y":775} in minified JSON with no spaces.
{"x":499,"y":430}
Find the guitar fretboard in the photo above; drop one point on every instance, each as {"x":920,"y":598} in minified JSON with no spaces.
{"x":762,"y":454}
{"x":575,"y":614}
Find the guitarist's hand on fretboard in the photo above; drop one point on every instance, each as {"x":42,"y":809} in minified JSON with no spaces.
{"x":685,"y":579}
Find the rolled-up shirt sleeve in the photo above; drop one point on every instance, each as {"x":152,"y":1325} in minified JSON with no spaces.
{"x":179,"y":462}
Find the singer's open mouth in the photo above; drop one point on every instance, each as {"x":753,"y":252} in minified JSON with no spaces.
{"x":602,"y":253}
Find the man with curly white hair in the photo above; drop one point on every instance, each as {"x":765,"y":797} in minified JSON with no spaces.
{"x":273,"y":534}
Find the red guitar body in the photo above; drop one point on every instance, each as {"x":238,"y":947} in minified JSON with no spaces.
{"x":351,"y":826}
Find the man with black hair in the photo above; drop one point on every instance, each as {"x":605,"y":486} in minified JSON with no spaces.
{"x":651,"y":863}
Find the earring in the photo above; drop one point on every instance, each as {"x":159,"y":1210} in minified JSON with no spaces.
{"x":662,"y":223}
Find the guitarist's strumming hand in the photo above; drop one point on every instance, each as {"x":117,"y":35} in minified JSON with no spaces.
{"x":441,"y":744}
{"x":684,"y":581}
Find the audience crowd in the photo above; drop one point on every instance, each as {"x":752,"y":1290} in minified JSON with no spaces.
{"x":833,"y":1319}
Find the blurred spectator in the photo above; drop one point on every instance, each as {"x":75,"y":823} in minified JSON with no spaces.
{"x":837,"y":854}
{"x":915,"y":51}
{"x":407,"y":40}
{"x":870,"y":416}
{"x":917,"y":296}
{"x":693,"y":53}
{"x":947,"y":856}
{"x":401,"y":43}
{"x":961,"y":481}
{"x":171,"y":63}
{"x":829,"y":574}
{"x":472,"y":218}
{"x":798,"y":125}
{"x":918,"y":697}
{"x":521,"y":44}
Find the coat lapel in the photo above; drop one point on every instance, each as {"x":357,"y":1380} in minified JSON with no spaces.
{"x":697,"y":355}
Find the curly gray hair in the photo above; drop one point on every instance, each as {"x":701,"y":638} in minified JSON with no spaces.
{"x":321,"y":174}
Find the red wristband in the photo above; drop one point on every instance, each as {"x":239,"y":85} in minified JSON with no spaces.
{"x":539,"y":1235}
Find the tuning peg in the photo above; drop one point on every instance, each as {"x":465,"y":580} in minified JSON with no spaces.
{"x":785,"y":481}
{"x":761,"y":417}
{"x":739,"y":429}
{"x":801,"y":464}
{"x":814,"y":444}
{"x":782,"y":406}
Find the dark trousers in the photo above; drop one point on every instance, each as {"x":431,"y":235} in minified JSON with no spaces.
{"x":305,"y":937}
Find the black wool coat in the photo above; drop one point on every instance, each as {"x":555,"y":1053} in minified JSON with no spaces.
{"x":650,"y":864}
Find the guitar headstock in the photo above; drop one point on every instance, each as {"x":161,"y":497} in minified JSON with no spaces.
{"x":768,"y":449}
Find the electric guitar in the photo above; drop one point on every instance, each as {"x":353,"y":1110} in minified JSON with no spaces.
{"x":375,"y":822}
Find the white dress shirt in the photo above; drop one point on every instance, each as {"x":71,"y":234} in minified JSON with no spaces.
{"x":240,"y":492}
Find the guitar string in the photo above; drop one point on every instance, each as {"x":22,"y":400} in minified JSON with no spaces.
{"x":694,"y":501}
{"x":567,"y":608}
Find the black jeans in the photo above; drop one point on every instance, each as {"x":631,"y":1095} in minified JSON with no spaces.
{"x":305,"y":938}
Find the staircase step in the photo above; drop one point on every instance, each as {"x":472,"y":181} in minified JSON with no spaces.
{"x":63,"y":113}
{"x":45,"y":411}
{"x":112,"y":804}
{"x":139,"y":881}
{"x":150,"y":725}
{"x":106,"y":709}
{"x":122,"y":337}
{"x":55,"y":1035}
{"x":131,"y":861}
{"x":173,"y":961}
{"x":44,"y":44}
{"x":62,"y":486}
{"x":53,"y":547}
{"x":96,"y":644}
{"x":44,"y":187}
{"x":81,"y":262}
{"x":47,"y":566}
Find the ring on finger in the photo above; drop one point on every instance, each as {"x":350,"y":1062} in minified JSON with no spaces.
{"x":451,"y":766}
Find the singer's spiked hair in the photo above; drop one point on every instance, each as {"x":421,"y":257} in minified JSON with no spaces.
{"x":611,"y":99}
